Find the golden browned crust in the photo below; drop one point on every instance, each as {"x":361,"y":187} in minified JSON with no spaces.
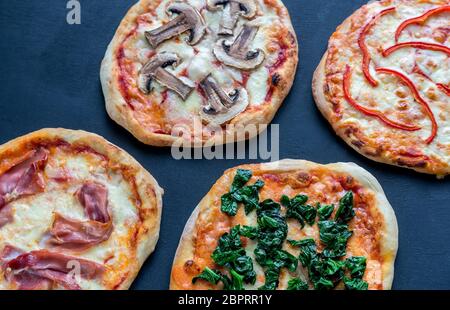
{"x":260,"y":116}
{"x":387,"y":225}
{"x":388,"y":152}
{"x":148,"y":189}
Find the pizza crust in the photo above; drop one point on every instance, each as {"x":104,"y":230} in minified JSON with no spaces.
{"x":325,"y":107}
{"x":118,"y":110}
{"x":149,"y":191}
{"x":389,"y":235}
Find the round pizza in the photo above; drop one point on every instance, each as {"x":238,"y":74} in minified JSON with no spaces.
{"x":199,"y":70}
{"x":292,"y":225}
{"x":384,"y":83}
{"x":76,"y":212}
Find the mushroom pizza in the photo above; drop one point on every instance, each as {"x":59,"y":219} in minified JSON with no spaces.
{"x":219,"y":64}
{"x":76,"y":212}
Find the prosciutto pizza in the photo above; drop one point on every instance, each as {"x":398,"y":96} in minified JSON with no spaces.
{"x":76,"y":212}
{"x":383,"y":83}
{"x":292,"y":225}
{"x":201,"y":70}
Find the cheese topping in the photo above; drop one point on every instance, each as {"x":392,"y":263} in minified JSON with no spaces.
{"x":162,"y":109}
{"x":428,"y":70}
{"x":64,"y":174}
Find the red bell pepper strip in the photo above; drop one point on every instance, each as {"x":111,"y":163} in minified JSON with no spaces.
{"x":420,"y":20}
{"x":418,"y":98}
{"x":444,"y":88}
{"x":367,"y":111}
{"x":421,"y":45}
{"x":363,"y":46}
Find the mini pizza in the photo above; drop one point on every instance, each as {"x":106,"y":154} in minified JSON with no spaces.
{"x":76,"y":212}
{"x":221,"y":65}
{"x":384,"y":83}
{"x":292,"y":225}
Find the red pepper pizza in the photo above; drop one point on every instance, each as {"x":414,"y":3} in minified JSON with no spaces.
{"x":383,"y":83}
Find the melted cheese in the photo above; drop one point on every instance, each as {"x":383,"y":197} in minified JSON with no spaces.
{"x":198,"y":61}
{"x":391,"y":97}
{"x":33,"y":216}
{"x":324,"y":186}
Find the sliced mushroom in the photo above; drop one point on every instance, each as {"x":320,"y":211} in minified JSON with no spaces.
{"x":222,"y":106}
{"x":154,"y":69}
{"x":232,"y":9}
{"x":238,"y":54}
{"x":188,"y":19}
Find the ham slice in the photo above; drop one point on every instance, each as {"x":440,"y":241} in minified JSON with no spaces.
{"x":77,"y":235}
{"x":42,"y":269}
{"x":25,"y":178}
{"x":94,"y":198}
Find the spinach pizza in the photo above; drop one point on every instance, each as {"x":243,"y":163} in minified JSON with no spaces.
{"x":292,"y":225}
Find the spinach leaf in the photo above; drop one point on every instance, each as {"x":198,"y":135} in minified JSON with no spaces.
{"x":345,"y":211}
{"x":229,"y":205}
{"x":231,"y":254}
{"x":237,"y":281}
{"x":244,"y":266}
{"x":271,"y":275}
{"x":248,"y":232}
{"x":296,"y":284}
{"x":325,"y":211}
{"x":272,"y":232}
{"x":248,"y":195}
{"x":335,"y":237}
{"x":308,"y":250}
{"x":215,"y":276}
{"x":297,"y":209}
{"x":356,"y":265}
{"x":324,"y":272}
{"x":355,"y":284}
{"x":240,"y":179}
{"x":212,"y":276}
{"x":323,"y":284}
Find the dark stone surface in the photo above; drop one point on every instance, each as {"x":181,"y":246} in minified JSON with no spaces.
{"x":49,"y":77}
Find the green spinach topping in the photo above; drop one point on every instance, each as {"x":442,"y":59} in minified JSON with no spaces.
{"x":239,"y":193}
{"x":296,"y":284}
{"x":273,"y":231}
{"x":296,"y":209}
{"x":215,"y":276}
{"x":230,"y":254}
{"x":324,"y":211}
{"x":326,"y":269}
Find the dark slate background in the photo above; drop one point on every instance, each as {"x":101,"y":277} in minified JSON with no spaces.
{"x":49,"y":77}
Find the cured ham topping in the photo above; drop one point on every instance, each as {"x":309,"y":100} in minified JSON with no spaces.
{"x":367,"y":111}
{"x":24,"y":178}
{"x":420,"y":20}
{"x":42,"y":269}
{"x":94,"y":198}
{"x":77,"y":235}
{"x":363,"y":46}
